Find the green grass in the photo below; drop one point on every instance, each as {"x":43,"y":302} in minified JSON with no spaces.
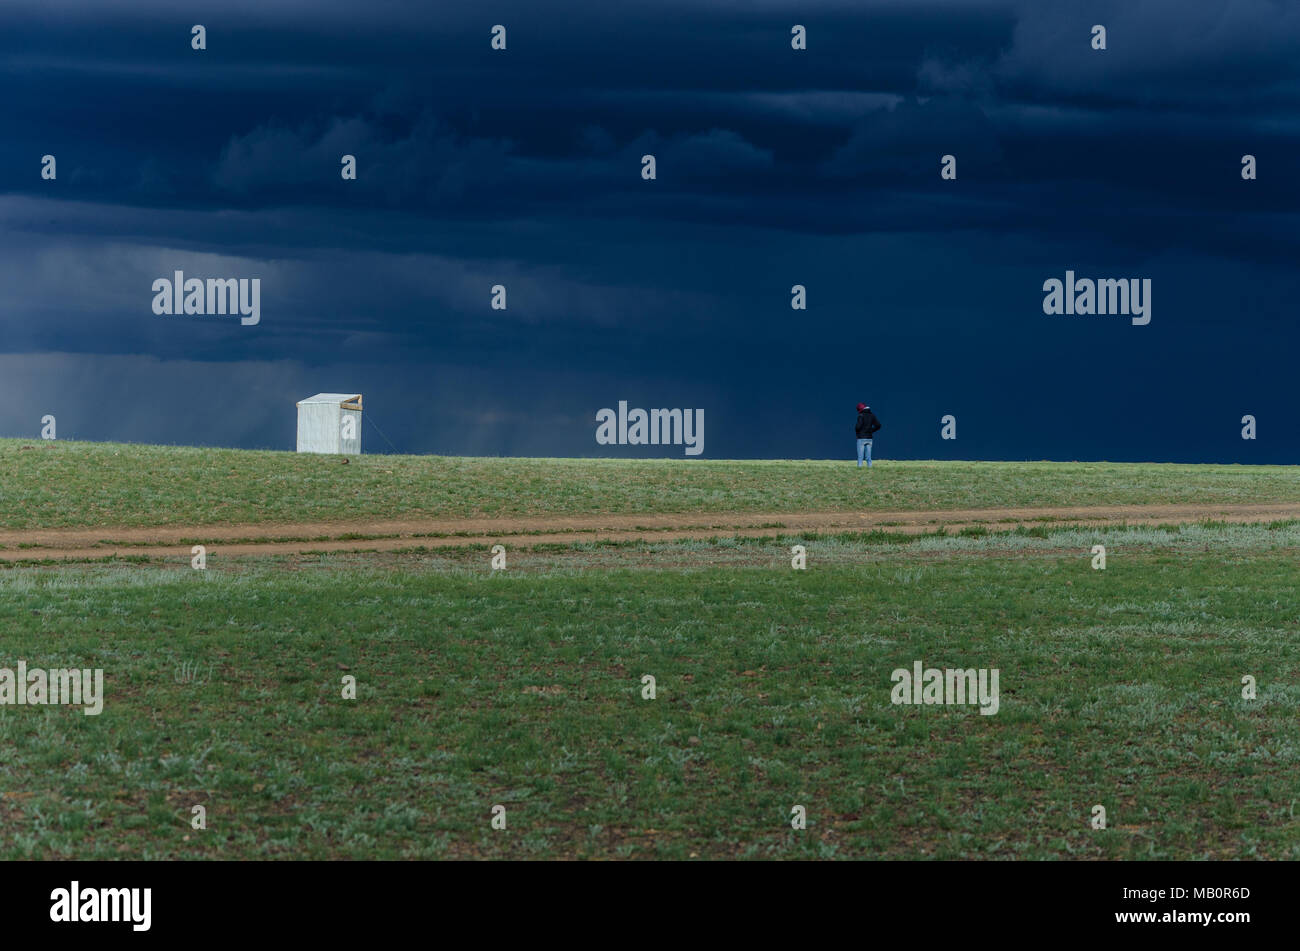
{"x":60,"y":483}
{"x":1119,"y":688}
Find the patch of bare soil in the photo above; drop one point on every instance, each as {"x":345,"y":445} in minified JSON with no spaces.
{"x":266,"y":538}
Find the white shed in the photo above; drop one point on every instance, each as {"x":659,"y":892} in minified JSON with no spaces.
{"x":330,"y":422}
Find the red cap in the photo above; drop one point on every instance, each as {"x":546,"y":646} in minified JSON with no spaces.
{"x":861,"y":407}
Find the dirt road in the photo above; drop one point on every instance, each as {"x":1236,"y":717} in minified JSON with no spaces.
{"x":282,"y":539}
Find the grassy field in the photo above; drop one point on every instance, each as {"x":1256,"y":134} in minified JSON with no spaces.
{"x":523,"y":688}
{"x":1119,"y":687}
{"x":59,"y":484}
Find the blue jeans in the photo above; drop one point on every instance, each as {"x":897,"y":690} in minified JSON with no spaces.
{"x":864,"y":445}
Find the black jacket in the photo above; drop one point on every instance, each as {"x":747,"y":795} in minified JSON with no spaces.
{"x":867,"y":424}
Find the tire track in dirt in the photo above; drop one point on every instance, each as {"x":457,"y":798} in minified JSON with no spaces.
{"x":265,"y":538}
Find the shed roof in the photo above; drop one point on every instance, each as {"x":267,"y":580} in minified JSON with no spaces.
{"x":336,"y":399}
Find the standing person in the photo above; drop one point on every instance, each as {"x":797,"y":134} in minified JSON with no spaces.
{"x":865,"y":429}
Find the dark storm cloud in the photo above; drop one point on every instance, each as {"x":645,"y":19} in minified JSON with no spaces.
{"x":448,"y":124}
{"x":775,"y":167}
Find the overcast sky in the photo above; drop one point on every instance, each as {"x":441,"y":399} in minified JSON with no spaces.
{"x":775,"y":167}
